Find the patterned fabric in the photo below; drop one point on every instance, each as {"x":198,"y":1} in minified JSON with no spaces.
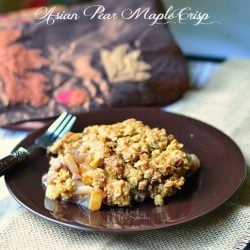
{"x":6,"y":5}
{"x":76,"y":66}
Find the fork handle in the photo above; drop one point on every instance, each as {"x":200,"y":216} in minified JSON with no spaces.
{"x":13,"y":160}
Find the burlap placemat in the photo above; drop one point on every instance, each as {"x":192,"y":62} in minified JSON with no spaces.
{"x":225,"y":104}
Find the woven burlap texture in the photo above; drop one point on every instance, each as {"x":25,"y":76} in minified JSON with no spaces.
{"x":224,"y":103}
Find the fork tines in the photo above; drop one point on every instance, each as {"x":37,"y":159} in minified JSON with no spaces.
{"x":61,"y":125}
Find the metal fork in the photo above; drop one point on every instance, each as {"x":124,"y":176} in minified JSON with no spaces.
{"x":56,"y":130}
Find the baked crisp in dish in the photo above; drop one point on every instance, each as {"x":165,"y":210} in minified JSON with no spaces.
{"x":117,"y":164}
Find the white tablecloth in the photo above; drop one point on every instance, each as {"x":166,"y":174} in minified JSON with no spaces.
{"x":224,"y":103}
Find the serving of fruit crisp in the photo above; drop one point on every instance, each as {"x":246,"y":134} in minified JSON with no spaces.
{"x":117,"y":165}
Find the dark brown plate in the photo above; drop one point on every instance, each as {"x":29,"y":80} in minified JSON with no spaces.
{"x":223,"y":171}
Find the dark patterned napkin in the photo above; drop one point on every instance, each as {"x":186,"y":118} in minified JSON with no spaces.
{"x":86,"y":64}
